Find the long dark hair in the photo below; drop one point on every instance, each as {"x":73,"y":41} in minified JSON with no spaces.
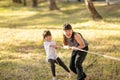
{"x":46,"y":33}
{"x":67,"y":26}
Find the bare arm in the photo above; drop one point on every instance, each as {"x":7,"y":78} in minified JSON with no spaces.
{"x":66,"y":47}
{"x":80,"y":41}
{"x":55,"y":46}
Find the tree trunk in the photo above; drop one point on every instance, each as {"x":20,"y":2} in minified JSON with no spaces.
{"x":108,"y":2}
{"x":95,"y":15}
{"x":24,"y":2}
{"x":35,"y":3}
{"x":14,"y":1}
{"x":52,"y":5}
{"x":17,"y":1}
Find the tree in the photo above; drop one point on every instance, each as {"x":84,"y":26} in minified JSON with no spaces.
{"x":35,"y":3}
{"x":17,"y":1}
{"x":108,"y":2}
{"x":24,"y":2}
{"x":52,"y":5}
{"x":95,"y":15}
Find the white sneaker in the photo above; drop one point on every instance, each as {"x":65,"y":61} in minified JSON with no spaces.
{"x":69,"y":75}
{"x":54,"y":78}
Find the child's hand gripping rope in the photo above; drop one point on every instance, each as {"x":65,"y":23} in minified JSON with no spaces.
{"x":68,"y":47}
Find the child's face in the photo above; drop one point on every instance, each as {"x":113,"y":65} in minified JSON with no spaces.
{"x":48,"y":38}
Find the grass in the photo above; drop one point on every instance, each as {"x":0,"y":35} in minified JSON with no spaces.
{"x":22,"y":55}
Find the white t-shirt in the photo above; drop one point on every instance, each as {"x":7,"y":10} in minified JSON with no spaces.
{"x":50,"y":51}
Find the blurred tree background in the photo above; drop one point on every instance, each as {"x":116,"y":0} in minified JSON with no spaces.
{"x":22,"y":22}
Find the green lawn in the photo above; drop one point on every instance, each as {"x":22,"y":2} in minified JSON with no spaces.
{"x":22,"y":55}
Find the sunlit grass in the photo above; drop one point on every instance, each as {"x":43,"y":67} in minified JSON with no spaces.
{"x":22,"y":56}
{"x":26,"y":47}
{"x":20,"y":48}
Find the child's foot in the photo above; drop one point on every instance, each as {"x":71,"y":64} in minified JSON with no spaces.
{"x":54,"y":78}
{"x":69,"y":75}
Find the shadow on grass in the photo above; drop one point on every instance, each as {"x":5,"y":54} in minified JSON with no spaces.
{"x":23,"y":70}
{"x":25,"y":48}
{"x":110,"y":13}
{"x":43,"y":17}
{"x":106,"y":47}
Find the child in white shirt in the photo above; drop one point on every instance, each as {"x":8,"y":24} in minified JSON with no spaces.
{"x":51,"y":56}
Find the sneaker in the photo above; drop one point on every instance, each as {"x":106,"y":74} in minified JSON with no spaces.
{"x":86,"y":78}
{"x":69,"y":75}
{"x":54,"y":78}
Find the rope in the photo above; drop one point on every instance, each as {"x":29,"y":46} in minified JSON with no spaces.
{"x":106,"y":56}
{"x":102,"y":55}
